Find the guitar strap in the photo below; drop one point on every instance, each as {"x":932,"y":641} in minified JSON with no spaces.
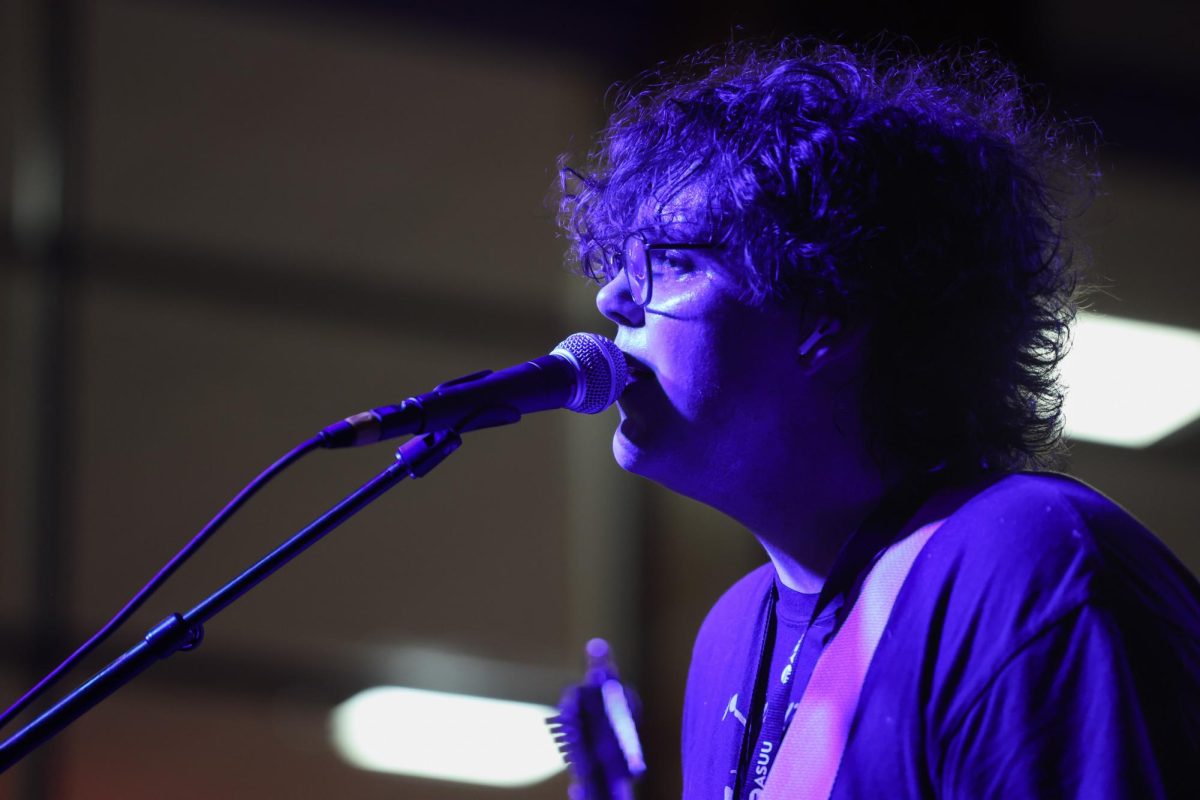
{"x":812,"y":749}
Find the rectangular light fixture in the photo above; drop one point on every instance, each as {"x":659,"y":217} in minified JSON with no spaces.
{"x":449,"y":737}
{"x":1129,"y":383}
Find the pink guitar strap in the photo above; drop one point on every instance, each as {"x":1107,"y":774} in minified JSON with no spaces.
{"x":811,"y":752}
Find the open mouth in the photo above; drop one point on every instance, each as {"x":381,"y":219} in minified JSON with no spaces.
{"x":637,"y":370}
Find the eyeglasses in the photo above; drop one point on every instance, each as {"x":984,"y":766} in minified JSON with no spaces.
{"x":635,"y":259}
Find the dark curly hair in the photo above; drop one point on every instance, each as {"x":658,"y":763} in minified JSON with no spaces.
{"x":922,"y":194}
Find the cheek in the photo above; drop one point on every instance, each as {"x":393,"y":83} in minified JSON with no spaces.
{"x":711,"y":351}
{"x":695,"y":374}
{"x":736,"y":376}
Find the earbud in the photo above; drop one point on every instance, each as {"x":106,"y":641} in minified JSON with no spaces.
{"x":826,"y":326}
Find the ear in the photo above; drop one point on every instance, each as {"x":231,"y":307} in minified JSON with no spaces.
{"x":814,"y":347}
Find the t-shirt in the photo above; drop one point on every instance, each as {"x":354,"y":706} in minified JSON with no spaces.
{"x":1045,"y":644}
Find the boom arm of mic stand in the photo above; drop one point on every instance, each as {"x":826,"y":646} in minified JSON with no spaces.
{"x":415,"y":458}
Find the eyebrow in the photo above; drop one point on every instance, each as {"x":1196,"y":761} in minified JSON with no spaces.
{"x":655,"y":245}
{"x":682,"y":231}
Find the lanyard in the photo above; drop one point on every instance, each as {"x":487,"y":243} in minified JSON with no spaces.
{"x":774,"y":714}
{"x":770,"y":700}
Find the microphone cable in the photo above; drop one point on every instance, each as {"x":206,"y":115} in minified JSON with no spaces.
{"x":160,"y":577}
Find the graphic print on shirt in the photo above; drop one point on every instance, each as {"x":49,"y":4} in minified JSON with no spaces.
{"x":732,"y":708}
{"x":787,"y":671}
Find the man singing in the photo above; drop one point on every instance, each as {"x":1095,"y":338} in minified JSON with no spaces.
{"x":843,"y":283}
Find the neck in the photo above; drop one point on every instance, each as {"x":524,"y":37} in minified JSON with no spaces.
{"x":803,"y":520}
{"x":804,"y":548}
{"x":805,"y":562}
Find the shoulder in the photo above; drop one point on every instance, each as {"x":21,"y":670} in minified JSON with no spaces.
{"x":1028,"y":511}
{"x":1037,"y":529}
{"x":1020,"y":493}
{"x":724,"y":656}
{"x":1032,"y":554}
{"x":1024,"y":554}
{"x":1086,"y":618}
{"x":1050,"y":536}
{"x":1016,"y":550}
{"x":738,"y":608}
{"x":731,"y":633}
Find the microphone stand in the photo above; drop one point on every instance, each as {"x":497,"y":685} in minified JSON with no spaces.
{"x":415,"y":458}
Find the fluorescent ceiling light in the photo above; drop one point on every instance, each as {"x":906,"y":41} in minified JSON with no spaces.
{"x":1130,"y":383}
{"x":450,"y":737}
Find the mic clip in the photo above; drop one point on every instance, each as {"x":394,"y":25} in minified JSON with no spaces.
{"x":421,"y":454}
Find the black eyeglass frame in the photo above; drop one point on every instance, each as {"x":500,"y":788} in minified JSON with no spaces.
{"x":635,"y":254}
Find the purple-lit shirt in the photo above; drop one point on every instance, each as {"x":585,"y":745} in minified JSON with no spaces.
{"x":1045,"y":645}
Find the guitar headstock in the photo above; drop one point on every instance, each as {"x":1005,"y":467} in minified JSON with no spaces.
{"x":596,"y":731}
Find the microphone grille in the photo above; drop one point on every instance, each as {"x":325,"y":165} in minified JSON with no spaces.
{"x":602,"y":369}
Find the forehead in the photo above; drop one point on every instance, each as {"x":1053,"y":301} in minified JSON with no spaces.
{"x":682,"y":212}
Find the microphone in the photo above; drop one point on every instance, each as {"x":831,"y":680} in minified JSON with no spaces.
{"x":585,"y":373}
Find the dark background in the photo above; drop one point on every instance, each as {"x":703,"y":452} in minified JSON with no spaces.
{"x":224,"y":224}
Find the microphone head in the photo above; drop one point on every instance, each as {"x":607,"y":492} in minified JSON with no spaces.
{"x":603,"y":372}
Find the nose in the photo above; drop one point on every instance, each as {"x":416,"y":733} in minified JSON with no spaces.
{"x":615,"y":302}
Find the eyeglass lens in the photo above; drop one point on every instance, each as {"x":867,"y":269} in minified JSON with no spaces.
{"x":637,"y":269}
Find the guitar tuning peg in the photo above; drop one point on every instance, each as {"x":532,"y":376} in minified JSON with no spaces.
{"x":600,"y":663}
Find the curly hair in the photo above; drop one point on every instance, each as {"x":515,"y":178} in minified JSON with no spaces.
{"x":923,"y":194}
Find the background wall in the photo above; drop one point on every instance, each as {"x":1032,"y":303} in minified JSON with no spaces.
{"x":227,"y":224}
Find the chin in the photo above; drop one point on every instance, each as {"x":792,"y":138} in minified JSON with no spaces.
{"x":629,"y":456}
{"x":636,"y":455}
